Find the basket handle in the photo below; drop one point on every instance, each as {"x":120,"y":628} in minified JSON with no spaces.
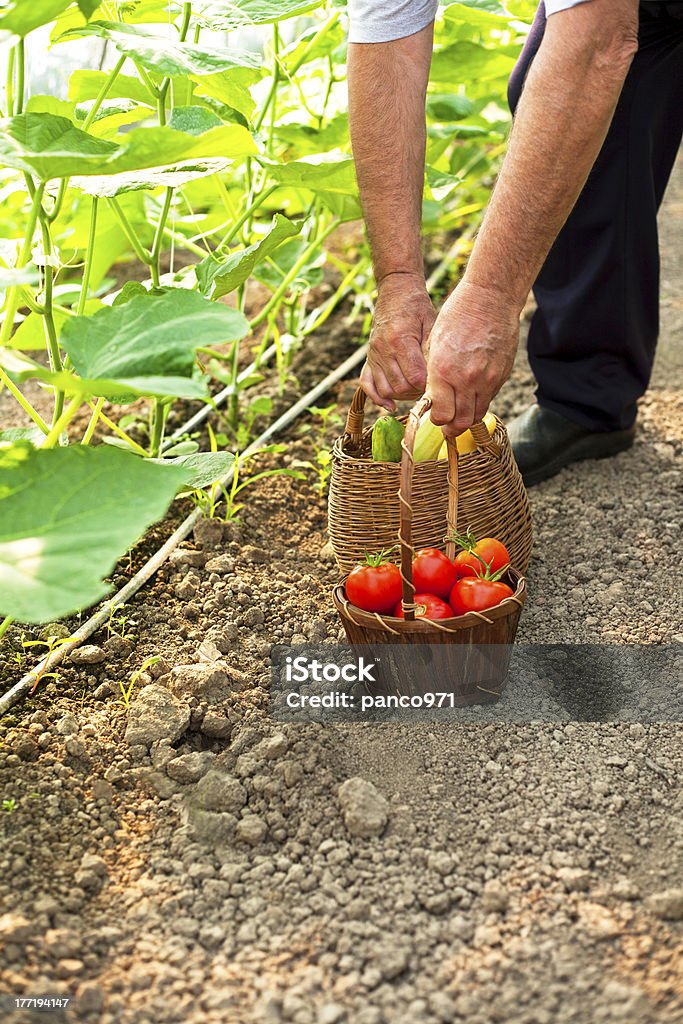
{"x":405,"y":494}
{"x":355,"y":418}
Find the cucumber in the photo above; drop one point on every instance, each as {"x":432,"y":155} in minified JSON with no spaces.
{"x":387,"y":435}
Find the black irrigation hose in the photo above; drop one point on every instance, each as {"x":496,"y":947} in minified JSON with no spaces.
{"x":22,"y":688}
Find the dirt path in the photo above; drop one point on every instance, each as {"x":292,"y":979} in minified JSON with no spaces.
{"x":527,"y":873}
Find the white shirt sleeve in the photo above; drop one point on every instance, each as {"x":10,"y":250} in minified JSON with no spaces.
{"x":553,"y":6}
{"x":381,"y":21}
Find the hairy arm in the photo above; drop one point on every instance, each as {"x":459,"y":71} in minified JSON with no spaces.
{"x":563,"y":117}
{"x":387,"y":88}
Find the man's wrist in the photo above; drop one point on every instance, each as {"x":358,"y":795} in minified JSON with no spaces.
{"x":401,"y":276}
{"x":504,"y":297}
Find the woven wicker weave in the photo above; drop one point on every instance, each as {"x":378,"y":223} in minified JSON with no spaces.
{"x":469,"y":675}
{"x":364,"y":504}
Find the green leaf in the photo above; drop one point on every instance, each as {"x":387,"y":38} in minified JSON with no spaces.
{"x":305,"y":49}
{"x":448,"y":107}
{"x":218,"y":276}
{"x":193,"y":120}
{"x":224,"y":15}
{"x":305,"y":139}
{"x":32,"y":434}
{"x":85,"y":85}
{"x":163,"y":55}
{"x":441,"y":184}
{"x":476,"y":12}
{"x":20,"y":18}
{"x":465,"y":61}
{"x":201,"y":469}
{"x":39,"y":104}
{"x":229,"y":87}
{"x":30,"y":334}
{"x":149,"y":335}
{"x":107,"y":186}
{"x":327,"y":173}
{"x":52,"y":147}
{"x":129,"y":291}
{"x":66,"y":516}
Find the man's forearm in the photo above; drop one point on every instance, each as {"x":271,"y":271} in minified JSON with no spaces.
{"x":561,"y":122}
{"x":387,"y":88}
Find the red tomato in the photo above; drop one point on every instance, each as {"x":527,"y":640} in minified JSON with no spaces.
{"x":433,"y":573}
{"x":472,"y":594}
{"x":375,"y":587}
{"x":429,"y":606}
{"x":494,"y":553}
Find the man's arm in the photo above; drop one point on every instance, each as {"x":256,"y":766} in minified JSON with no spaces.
{"x":387,"y":89}
{"x":562,"y":119}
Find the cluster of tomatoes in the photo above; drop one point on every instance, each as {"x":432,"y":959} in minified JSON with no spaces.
{"x":443,"y":588}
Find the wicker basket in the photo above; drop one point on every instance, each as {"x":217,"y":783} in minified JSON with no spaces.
{"x":364,"y":504}
{"x":470,"y":675}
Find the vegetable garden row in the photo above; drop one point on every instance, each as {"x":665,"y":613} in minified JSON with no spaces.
{"x":170,"y":226}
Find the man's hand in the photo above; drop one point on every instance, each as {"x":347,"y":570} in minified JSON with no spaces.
{"x":396,"y":365}
{"x":471,"y":351}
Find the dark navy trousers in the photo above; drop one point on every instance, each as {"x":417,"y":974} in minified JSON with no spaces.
{"x":592,"y":339}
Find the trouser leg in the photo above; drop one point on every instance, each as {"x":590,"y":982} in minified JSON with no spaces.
{"x":592,"y":339}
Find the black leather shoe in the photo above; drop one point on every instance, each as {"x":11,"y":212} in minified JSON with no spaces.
{"x":545,"y":442}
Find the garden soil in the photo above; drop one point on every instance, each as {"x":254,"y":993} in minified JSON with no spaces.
{"x":189,"y":859}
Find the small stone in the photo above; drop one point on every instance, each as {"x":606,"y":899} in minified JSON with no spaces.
{"x":216,"y":725}
{"x":574,"y":879}
{"x":326,"y":553}
{"x":625,"y":889}
{"x":206,"y":682}
{"x":208,"y":533}
{"x":74,"y":747}
{"x":102,"y":790}
{"x":88,"y":654}
{"x":495,"y":898}
{"x":207,"y":651}
{"x":364,"y":809}
{"x":15,"y":929}
{"x":251,"y":829}
{"x":69,"y":967}
{"x":187,"y":556}
{"x":26,"y":748}
{"x":331,"y":1013}
{"x":598,"y":921}
{"x":156,"y":714}
{"x":223,"y":565}
{"x":217,"y":791}
{"x":667,"y":905}
{"x":54,"y":631}
{"x":68,"y":726}
{"x":89,"y":998}
{"x":190,"y":767}
{"x":249,"y":553}
{"x":272,"y":746}
{"x":118,"y":647}
{"x":486,"y":935}
{"x":93,"y":862}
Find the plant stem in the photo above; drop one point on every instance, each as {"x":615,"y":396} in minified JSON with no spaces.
{"x":102,"y":94}
{"x":158,"y":236}
{"x":116,"y":429}
{"x":291,"y":276}
{"x":142,"y":254}
{"x":13,"y":293}
{"x":276,"y":80}
{"x":23,"y":402}
{"x":159,"y":421}
{"x":5,"y":625}
{"x":259,"y":201}
{"x":59,"y":200}
{"x":21,"y":74}
{"x":90,"y":429}
{"x":48,"y":314}
{"x":9,"y":87}
{"x":62,"y":423}
{"x":89,"y":254}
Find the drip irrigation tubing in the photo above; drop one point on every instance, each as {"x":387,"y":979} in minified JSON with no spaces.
{"x":55,"y":658}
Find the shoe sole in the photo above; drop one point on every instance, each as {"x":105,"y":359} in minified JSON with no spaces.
{"x":585,"y":448}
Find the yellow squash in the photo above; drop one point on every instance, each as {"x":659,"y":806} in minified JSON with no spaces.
{"x":465,"y":442}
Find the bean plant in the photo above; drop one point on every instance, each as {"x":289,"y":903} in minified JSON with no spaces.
{"x":169,"y":216}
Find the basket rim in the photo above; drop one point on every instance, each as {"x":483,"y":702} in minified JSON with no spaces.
{"x":392,"y":624}
{"x":339,"y":450}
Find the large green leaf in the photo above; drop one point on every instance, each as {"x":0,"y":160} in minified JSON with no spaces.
{"x":224,"y":15}
{"x":86,"y":85}
{"x":229,"y":87}
{"x":202,"y":468}
{"x":107,"y":186}
{"x":163,"y":55}
{"x":66,"y":516}
{"x":52,"y":147}
{"x":328,"y":172}
{"x":22,"y":16}
{"x":153,"y":335}
{"x":314,"y":44}
{"x":219,"y":275}
{"x":474,"y":12}
{"x":466,"y":61}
